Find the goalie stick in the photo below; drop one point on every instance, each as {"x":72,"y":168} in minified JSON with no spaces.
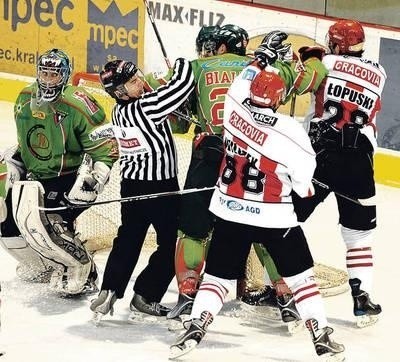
{"x":363,"y":202}
{"x":77,"y":205}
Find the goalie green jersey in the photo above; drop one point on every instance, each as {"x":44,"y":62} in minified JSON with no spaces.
{"x":214,"y":75}
{"x":52,"y":138}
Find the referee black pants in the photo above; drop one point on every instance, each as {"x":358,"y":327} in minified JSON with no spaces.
{"x":136,"y":217}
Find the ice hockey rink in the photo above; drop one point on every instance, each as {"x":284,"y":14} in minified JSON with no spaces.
{"x":39,"y":326}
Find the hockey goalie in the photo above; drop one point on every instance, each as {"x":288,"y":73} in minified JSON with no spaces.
{"x":54,"y":156}
{"x":44,"y":242}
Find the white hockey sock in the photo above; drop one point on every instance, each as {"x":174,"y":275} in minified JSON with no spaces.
{"x":307,"y":297}
{"x":359,"y":258}
{"x":211,"y":295}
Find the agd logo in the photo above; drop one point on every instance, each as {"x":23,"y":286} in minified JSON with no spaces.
{"x":113,"y":32}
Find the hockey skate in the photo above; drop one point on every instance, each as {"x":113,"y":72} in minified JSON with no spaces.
{"x":196,"y":330}
{"x":67,"y":281}
{"x":365,"y":311}
{"x":103,"y":305}
{"x":184,"y":306}
{"x":262,"y":297}
{"x":145,"y":311}
{"x":265,"y":300}
{"x":326,"y":348}
{"x":289,"y":314}
{"x":180,"y":313}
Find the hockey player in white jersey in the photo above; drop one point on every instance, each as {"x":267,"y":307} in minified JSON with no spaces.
{"x":267,"y":157}
{"x":343,"y":134}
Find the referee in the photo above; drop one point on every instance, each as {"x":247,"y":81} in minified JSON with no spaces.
{"x":148,"y":161}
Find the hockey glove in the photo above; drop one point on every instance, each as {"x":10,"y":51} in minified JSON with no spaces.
{"x":311,"y":52}
{"x":353,"y":139}
{"x":323,"y":135}
{"x":90,"y":180}
{"x":271,"y":48}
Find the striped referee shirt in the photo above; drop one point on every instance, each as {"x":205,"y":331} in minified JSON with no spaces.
{"x":147,"y":148}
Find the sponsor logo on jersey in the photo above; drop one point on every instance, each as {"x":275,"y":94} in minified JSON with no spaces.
{"x":38,"y":114}
{"x":52,"y":195}
{"x":129,"y":143}
{"x":249,"y":74}
{"x":253,"y":210}
{"x":221,"y":63}
{"x":358,"y":71}
{"x":264,"y":119}
{"x":83,"y":97}
{"x":247,"y":129}
{"x":234,"y":205}
{"x":351,"y":95}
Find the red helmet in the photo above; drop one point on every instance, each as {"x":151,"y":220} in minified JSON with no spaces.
{"x":267,"y":90}
{"x":348,"y":35}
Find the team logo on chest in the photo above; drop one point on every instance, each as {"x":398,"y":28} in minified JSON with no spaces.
{"x":38,"y":143}
{"x":59,"y":116}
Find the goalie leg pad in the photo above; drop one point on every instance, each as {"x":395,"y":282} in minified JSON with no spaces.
{"x":31,"y":267}
{"x":47,"y":235}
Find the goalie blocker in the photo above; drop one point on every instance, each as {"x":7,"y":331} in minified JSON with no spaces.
{"x":46,"y":234}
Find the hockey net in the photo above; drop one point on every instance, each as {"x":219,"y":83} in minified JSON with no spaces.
{"x":99,"y":224}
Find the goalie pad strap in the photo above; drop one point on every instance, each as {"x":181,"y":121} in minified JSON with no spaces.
{"x":44,"y":233}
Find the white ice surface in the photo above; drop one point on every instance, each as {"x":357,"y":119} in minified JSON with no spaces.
{"x":39,"y":326}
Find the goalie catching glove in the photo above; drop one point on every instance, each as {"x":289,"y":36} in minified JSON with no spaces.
{"x":90,"y":180}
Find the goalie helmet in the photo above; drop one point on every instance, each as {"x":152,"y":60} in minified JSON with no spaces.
{"x":234,"y":37}
{"x":114,"y":76}
{"x":53,"y":72}
{"x":267,"y":90}
{"x":205,"y":41}
{"x":348,"y":35}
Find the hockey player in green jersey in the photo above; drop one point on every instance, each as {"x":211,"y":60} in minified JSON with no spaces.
{"x":222,"y":54}
{"x":55,"y":156}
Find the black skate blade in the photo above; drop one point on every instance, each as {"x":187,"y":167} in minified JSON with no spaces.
{"x":177,"y":351}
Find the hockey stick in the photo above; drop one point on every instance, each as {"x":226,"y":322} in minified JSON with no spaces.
{"x":362,"y":202}
{"x":74,"y":205}
{"x":164,"y":52}
{"x":153,"y":23}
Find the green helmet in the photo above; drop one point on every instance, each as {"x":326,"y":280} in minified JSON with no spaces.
{"x":234,"y":37}
{"x":205,"y":41}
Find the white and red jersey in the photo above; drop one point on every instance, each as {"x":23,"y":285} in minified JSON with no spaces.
{"x":351,"y":93}
{"x":267,"y":155}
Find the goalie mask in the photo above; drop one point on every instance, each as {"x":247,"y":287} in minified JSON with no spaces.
{"x":267,"y":90}
{"x":234,"y":37}
{"x":114,"y":76}
{"x":348,"y":35}
{"x":53,"y":72}
{"x":206,"y":45}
